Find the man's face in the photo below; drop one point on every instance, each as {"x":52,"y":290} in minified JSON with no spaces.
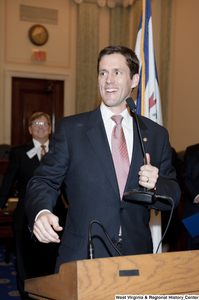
{"x":40,"y":132}
{"x":114,"y":81}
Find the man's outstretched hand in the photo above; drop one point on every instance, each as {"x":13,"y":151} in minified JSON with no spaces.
{"x":45,"y":228}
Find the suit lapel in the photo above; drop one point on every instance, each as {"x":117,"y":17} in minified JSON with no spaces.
{"x":99,"y":141}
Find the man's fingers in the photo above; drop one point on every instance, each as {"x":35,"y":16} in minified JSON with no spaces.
{"x":40,"y":236}
{"x":46,"y":236}
{"x":45,"y":226}
{"x":148,"y":158}
{"x":148,"y":175}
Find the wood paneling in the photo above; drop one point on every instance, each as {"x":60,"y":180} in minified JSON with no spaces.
{"x":32,"y":95}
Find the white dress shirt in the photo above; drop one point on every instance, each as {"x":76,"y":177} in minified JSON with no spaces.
{"x":38,"y":147}
{"x":127,"y":125}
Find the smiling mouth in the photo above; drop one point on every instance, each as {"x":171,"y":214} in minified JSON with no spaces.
{"x":111,"y":90}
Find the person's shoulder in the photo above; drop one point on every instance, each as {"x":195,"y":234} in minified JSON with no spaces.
{"x":151,"y":124}
{"x":192,"y":148}
{"x":77,"y":118}
{"x":21,"y":147}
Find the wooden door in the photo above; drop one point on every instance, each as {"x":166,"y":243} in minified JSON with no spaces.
{"x":32,"y":95}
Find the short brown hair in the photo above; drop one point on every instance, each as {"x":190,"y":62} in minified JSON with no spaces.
{"x":130,"y":56}
{"x":38,"y":115}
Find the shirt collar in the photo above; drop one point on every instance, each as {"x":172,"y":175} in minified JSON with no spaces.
{"x":107,"y":114}
{"x":37,"y":144}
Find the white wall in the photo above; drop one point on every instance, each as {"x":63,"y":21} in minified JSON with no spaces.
{"x":184,"y":77}
{"x":15,"y":55}
{"x":16,"y":48}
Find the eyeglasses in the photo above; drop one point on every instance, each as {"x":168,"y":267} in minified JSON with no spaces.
{"x":37,"y":124}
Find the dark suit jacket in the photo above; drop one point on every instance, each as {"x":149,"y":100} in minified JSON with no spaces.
{"x":20,"y":168}
{"x":190,"y":179}
{"x":80,"y":156}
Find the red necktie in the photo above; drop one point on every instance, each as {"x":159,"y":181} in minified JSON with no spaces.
{"x":43,"y":150}
{"x":120,"y":153}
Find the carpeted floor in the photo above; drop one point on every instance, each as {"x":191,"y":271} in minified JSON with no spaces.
{"x":8,"y":281}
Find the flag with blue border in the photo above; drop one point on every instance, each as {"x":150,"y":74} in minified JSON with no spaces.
{"x":148,"y":99}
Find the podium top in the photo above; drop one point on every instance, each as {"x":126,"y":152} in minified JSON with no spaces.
{"x":151,"y":274}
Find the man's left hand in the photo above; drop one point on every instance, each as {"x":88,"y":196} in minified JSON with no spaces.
{"x":148,"y":175}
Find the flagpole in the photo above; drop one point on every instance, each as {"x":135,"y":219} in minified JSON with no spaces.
{"x":148,"y":100}
{"x":143,"y":58}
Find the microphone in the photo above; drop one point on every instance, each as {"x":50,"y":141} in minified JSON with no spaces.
{"x":131,"y":105}
{"x":90,"y":247}
{"x":142,"y":194}
{"x":90,"y":243}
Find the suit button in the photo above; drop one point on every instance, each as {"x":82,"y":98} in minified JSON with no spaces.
{"x":121,"y":210}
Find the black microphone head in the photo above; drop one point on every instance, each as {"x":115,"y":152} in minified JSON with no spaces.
{"x":131,"y":104}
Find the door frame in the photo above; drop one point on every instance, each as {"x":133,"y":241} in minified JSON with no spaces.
{"x":68,"y":109}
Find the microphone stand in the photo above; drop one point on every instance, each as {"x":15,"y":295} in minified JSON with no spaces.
{"x":142,"y":194}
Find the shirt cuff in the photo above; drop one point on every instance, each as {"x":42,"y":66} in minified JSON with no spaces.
{"x":40,"y":213}
{"x":194,"y":201}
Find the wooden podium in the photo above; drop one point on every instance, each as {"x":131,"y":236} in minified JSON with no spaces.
{"x":101,"y":279}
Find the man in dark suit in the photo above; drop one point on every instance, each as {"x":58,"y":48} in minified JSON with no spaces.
{"x":190,"y":185}
{"x":32,"y":258}
{"x":80,"y":155}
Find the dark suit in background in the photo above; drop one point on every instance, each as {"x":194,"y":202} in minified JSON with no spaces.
{"x":80,"y":157}
{"x":190,"y":178}
{"x":33,"y":258}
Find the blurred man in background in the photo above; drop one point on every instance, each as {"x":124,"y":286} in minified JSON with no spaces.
{"x":33,"y":259}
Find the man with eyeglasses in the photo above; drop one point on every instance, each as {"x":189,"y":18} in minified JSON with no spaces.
{"x":33,"y":259}
{"x":40,"y":129}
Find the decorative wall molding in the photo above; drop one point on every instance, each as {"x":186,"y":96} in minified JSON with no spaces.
{"x":109,"y":3}
{"x":8,"y":95}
